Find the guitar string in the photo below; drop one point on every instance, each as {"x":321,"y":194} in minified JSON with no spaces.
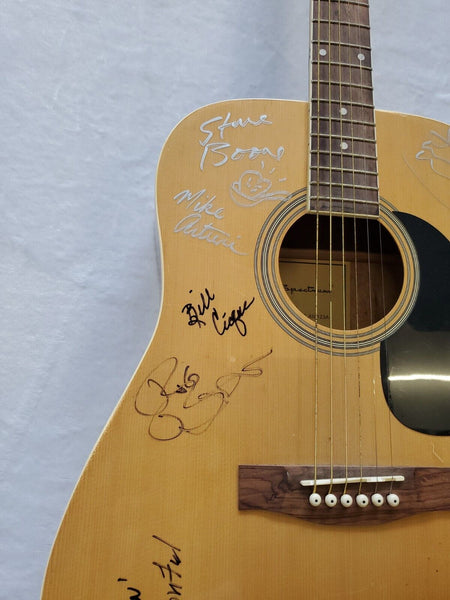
{"x":370,"y":286}
{"x":343,"y":269}
{"x":316,"y":263}
{"x":330,"y":257}
{"x":383,"y":299}
{"x":353,"y":89}
{"x":341,"y":157}
{"x":370,"y":290}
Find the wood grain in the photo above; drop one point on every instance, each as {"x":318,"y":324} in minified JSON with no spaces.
{"x":222,"y":384}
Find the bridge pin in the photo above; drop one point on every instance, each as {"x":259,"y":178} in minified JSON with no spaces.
{"x":330,"y":500}
{"x":377,"y":500}
{"x":315,"y":499}
{"x":346,"y":500}
{"x":393,"y":500}
{"x":362,"y":500}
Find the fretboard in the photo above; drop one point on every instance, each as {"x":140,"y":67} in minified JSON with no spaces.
{"x":343,"y":176}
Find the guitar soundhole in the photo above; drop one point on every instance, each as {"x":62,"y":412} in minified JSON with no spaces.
{"x":344,"y":273}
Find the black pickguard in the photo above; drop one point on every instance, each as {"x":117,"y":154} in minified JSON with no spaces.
{"x":422,"y":345}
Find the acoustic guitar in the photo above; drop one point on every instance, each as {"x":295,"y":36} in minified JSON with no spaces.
{"x":286,"y":433}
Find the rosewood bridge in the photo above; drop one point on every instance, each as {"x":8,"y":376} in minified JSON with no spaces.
{"x":356,"y":496}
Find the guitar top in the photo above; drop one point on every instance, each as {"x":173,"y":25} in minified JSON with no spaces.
{"x":286,"y":432}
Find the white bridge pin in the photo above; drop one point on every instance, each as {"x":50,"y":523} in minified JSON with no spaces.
{"x":315,"y":499}
{"x":362,"y":500}
{"x":330,"y":500}
{"x":377,"y":500}
{"x":346,"y":500}
{"x":393,"y":500}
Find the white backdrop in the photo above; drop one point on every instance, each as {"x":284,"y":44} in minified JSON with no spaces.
{"x":89,"y":91}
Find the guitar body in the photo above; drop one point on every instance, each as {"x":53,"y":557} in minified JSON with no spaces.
{"x":226,"y":382}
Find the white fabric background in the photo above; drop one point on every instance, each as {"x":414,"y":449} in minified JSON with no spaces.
{"x":89,"y":91}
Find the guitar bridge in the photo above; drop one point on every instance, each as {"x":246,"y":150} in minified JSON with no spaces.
{"x":348,"y":495}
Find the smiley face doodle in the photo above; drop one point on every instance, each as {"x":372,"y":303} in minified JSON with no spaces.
{"x":252,"y":188}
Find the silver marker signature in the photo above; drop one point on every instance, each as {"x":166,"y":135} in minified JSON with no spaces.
{"x":220,"y":151}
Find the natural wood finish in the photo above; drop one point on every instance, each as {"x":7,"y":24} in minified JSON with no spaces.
{"x":233,"y":399}
{"x":277,"y":488}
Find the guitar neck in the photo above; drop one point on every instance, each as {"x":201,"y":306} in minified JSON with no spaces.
{"x":343,"y":176}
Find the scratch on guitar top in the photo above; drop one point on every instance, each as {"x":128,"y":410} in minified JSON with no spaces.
{"x":169,"y":396}
{"x":437,"y":152}
{"x":433,"y":450}
{"x":413,"y":171}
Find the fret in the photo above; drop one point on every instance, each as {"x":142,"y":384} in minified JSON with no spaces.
{"x":327,"y":176}
{"x":326,"y":92}
{"x":342,"y":34}
{"x":344,"y":206}
{"x":339,"y":144}
{"x":355,"y":85}
{"x":343,"y":130}
{"x":337,"y":55}
{"x":355,"y":2}
{"x":342,"y":12}
{"x":336,"y":187}
{"x":337,"y":141}
{"x":323,"y":101}
{"x":343,"y":138}
{"x":336,"y":174}
{"x":342,"y":171}
{"x":327,"y":160}
{"x":335,"y":63}
{"x":335,"y":179}
{"x":342,"y":44}
{"x":333,"y":110}
{"x":345,"y":75}
{"x":339,"y":120}
{"x":327,"y":21}
{"x":369,"y":199}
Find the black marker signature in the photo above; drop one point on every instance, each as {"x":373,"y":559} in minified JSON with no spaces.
{"x":234,"y":319}
{"x":195,"y":312}
{"x":222,"y":321}
{"x":169,"y":396}
{"x":137,"y":593}
{"x":168,"y":571}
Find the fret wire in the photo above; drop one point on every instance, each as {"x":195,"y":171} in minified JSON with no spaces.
{"x":346,"y":121}
{"x":355,"y":2}
{"x":334,"y":63}
{"x":344,"y":170}
{"x":342,"y":199}
{"x":343,"y":138}
{"x":369,"y":188}
{"x":340,"y":154}
{"x":346,"y":102}
{"x":359,"y":25}
{"x":345,"y":44}
{"x":346,"y":83}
